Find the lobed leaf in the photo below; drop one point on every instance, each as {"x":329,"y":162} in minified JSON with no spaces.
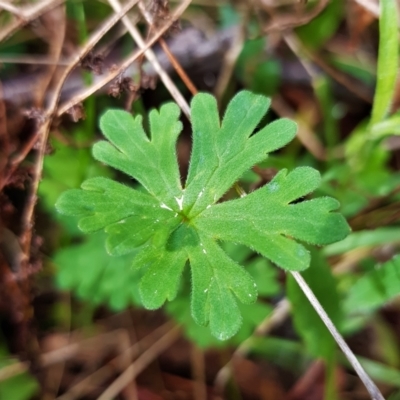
{"x":267,"y":220}
{"x":223,"y":152}
{"x":95,"y":275}
{"x":161,"y":280}
{"x":216,"y":278}
{"x":168,"y":225}
{"x":129,"y":216}
{"x":152,"y":162}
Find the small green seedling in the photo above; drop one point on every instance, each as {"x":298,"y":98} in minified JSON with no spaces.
{"x":168,"y":225}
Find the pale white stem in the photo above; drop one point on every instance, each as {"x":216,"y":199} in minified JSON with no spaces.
{"x":79,"y":97}
{"x":10,"y":8}
{"x":366,"y":380}
{"x":150,"y":55}
{"x":371,"y":5}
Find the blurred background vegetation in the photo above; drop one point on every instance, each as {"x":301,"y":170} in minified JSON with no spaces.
{"x":71,"y":322}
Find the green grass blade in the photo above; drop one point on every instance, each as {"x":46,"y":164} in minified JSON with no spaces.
{"x":388,"y":61}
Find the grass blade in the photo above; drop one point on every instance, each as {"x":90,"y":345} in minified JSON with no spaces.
{"x":387,"y":61}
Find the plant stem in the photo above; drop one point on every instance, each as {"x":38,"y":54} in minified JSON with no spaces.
{"x":368,"y":383}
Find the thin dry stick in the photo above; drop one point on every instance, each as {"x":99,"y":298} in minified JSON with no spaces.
{"x":149,"y":54}
{"x":304,"y":54}
{"x":4,"y":136}
{"x":10,"y":8}
{"x":230,"y":59}
{"x":291,"y":21}
{"x":67,"y":297}
{"x":294,"y":45}
{"x":101,"y":375}
{"x":45,"y":127}
{"x":14,"y":369}
{"x":69,"y":351}
{"x":113,"y":74}
{"x":370,"y":5}
{"x":373,"y":390}
{"x":47,"y":359}
{"x":16,"y":160}
{"x":198,"y":373}
{"x":306,"y":136}
{"x":178,"y":67}
{"x":36,"y":60}
{"x":280,"y":313}
{"x":366,"y":380}
{"x":26,"y":15}
{"x":174,"y":62}
{"x":55,"y":25}
{"x":140,"y":364}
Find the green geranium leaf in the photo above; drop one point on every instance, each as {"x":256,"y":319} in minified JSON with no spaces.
{"x":170,"y":225}
{"x":267,"y":219}
{"x":375,"y":288}
{"x":97,"y":277}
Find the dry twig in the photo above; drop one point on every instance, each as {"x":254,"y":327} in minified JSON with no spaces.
{"x":230,"y":58}
{"x":36,"y":60}
{"x":280,"y":313}
{"x":174,"y":62}
{"x":26,"y":15}
{"x":370,"y":5}
{"x":71,"y":350}
{"x":149,"y":54}
{"x":54,"y":22}
{"x":304,"y":55}
{"x":10,"y":8}
{"x":140,"y":364}
{"x":43,"y":131}
{"x":291,"y":21}
{"x":306,"y":136}
{"x":78,"y":98}
{"x":366,"y":380}
{"x":198,"y":373}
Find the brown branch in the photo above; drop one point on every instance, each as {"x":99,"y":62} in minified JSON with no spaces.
{"x":140,"y":364}
{"x":306,"y":136}
{"x":178,"y":68}
{"x":26,"y":15}
{"x":280,"y":313}
{"x":69,"y":351}
{"x":17,"y":159}
{"x":174,"y":62}
{"x":347,"y":81}
{"x":107,"y":371}
{"x":305,"y":55}
{"x":152,"y":58}
{"x":290,"y":21}
{"x":370,"y":5}
{"x":10,"y":8}
{"x":4,"y":142}
{"x":49,"y":115}
{"x":231,"y":56}
{"x":55,"y":24}
{"x":64,"y":107}
{"x":36,"y":60}
{"x":198,"y":373}
{"x":114,"y":73}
